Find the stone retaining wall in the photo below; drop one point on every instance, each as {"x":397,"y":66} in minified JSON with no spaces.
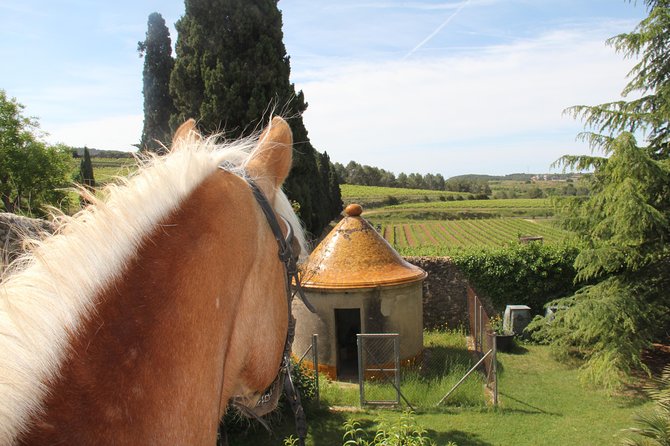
{"x":444,"y":293}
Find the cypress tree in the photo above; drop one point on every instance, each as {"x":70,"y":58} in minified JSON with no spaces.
{"x":330,"y":185}
{"x":334,"y":192}
{"x":158,"y":63}
{"x":86,"y":170}
{"x":86,"y":175}
{"x":231,"y":71}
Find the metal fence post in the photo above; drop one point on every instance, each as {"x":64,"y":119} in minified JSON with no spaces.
{"x":494,"y":366}
{"x":476,"y":330}
{"x":481,"y":327}
{"x":396,"y":354}
{"x":315,"y":361}
{"x":361,"y":376}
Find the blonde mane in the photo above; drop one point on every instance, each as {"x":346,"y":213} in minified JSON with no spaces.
{"x":53,"y":288}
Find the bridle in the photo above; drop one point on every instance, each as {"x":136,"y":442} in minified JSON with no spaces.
{"x":287,"y":257}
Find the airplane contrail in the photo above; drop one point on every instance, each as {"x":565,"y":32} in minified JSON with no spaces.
{"x":437,"y":30}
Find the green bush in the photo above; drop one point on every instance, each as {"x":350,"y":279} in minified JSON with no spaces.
{"x":392,"y":200}
{"x":304,"y":382}
{"x":521,"y":274}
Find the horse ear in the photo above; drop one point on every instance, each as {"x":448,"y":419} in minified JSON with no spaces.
{"x":185,"y":134}
{"x":271,"y":161}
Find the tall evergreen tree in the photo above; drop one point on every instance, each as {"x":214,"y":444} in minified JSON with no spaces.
{"x":85,"y":176}
{"x":332,"y":185}
{"x":231,"y":71}
{"x":625,"y":223}
{"x":158,"y":63}
{"x":86,"y":170}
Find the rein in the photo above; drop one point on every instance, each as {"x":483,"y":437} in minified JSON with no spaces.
{"x":287,"y":257}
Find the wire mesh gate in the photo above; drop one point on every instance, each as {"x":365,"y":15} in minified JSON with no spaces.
{"x":379,"y":369}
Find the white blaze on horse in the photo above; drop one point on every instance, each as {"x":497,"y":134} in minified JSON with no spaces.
{"x":146,"y":312}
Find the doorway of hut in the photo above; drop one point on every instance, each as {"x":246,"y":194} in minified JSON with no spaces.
{"x":347,"y":326}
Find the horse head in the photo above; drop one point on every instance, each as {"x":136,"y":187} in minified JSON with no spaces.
{"x":153,"y":307}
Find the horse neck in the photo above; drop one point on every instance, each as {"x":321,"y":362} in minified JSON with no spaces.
{"x":150,"y":362}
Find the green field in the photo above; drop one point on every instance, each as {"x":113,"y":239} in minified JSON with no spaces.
{"x":106,"y":169}
{"x":418,"y":204}
{"x":465,"y":209}
{"x":440,"y":237}
{"x":374,"y":196}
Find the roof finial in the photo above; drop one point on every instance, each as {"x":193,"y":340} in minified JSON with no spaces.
{"x":353,"y":210}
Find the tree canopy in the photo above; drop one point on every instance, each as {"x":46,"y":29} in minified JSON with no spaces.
{"x":624,"y":224}
{"x":32,"y":173}
{"x":157,"y":52}
{"x":231,"y":73}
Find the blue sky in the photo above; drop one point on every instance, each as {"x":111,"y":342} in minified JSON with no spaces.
{"x":450,"y":87}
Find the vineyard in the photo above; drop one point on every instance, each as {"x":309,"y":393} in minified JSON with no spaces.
{"x":441,"y":237}
{"x":106,"y":169}
{"x":516,"y":203}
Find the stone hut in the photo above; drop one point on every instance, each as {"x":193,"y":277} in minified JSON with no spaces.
{"x":358,"y":284}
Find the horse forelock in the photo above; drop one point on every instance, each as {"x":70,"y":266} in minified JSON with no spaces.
{"x":52,"y":289}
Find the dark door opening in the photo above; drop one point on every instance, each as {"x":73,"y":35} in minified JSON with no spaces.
{"x":347,"y":326}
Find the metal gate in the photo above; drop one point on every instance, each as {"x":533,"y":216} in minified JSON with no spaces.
{"x":379,"y":368}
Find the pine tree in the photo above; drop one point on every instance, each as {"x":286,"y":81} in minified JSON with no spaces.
{"x":624,"y":224}
{"x":231,"y":72}
{"x":86,"y":170}
{"x":158,"y":63}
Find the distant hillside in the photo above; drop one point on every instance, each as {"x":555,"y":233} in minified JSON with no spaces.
{"x":475,"y":177}
{"x":514,"y":177}
{"x":78,"y":152}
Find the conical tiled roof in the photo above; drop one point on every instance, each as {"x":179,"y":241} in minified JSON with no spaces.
{"x":354,"y":255}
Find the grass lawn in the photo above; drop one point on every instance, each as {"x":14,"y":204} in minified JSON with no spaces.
{"x":542,"y":403}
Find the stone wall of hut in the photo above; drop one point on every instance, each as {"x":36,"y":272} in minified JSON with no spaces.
{"x":444,"y":293}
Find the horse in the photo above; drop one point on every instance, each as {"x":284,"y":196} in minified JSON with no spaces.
{"x":148,"y":311}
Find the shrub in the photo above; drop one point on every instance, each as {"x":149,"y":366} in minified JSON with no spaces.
{"x":392,"y":200}
{"x":304,"y":382}
{"x":402,"y":431}
{"x":532,"y":274}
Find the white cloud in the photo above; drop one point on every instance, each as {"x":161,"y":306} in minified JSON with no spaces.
{"x":384,"y":114}
{"x":109,"y":133}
